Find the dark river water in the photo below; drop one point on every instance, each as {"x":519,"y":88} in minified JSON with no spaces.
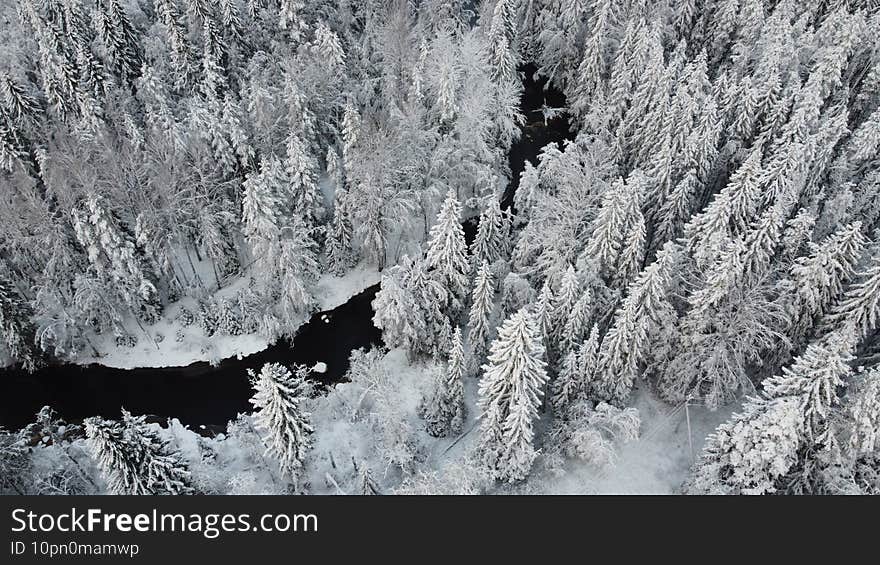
{"x":199,"y":394}
{"x":204,"y":395}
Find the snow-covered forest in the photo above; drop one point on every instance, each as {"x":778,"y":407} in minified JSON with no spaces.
{"x":684,"y":296}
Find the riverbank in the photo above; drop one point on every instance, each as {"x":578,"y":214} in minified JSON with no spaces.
{"x":171,"y":343}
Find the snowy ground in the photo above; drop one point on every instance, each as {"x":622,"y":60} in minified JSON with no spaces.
{"x":657,"y":463}
{"x":160,"y":348}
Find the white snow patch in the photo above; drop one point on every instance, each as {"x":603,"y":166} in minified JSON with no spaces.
{"x":320,"y":367}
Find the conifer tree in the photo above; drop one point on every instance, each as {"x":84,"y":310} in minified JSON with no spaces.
{"x":491,"y":241}
{"x":502,"y":32}
{"x":339,"y":234}
{"x":817,"y":279}
{"x":482,"y":305}
{"x":134,"y":459}
{"x":783,"y":431}
{"x":578,"y":321}
{"x":544,"y":314}
{"x":564,"y":302}
{"x":626,"y":344}
{"x":119,"y":38}
{"x":566,"y":386}
{"x":408,"y":309}
{"x":304,"y":199}
{"x":278,"y":413}
{"x":444,"y":413}
{"x":859,"y":307}
{"x":16,"y":328}
{"x":446,"y":258}
{"x":509,"y":397}
{"x":616,"y":218}
{"x":113,"y":255}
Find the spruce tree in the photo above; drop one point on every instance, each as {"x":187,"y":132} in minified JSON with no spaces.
{"x":447,"y":258}
{"x":859,"y":307}
{"x":482,"y":305}
{"x":339,"y":236}
{"x":626,"y":344}
{"x":408,"y":310}
{"x":134,"y":459}
{"x":509,"y":397}
{"x":16,"y":328}
{"x":564,"y":304}
{"x":491,"y":241}
{"x":277,"y":400}
{"x":818,"y":278}
{"x":567,"y":384}
{"x":779,"y":438}
{"x":444,"y":412}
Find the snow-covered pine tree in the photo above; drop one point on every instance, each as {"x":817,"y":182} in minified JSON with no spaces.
{"x":351,"y":131}
{"x":303,"y":196}
{"x":114,"y":257}
{"x":134,"y":459}
{"x":446,"y":258}
{"x":502,"y":33}
{"x":578,"y":322}
{"x":729,"y":213}
{"x":228,"y":319}
{"x":567,"y":385}
{"x":16,"y":328}
{"x":297,"y":268}
{"x":175,"y":33}
{"x":119,"y":38}
{"x":782,"y":439}
{"x":863,"y":416}
{"x":860,"y":305}
{"x":339,"y":234}
{"x":482,"y":305}
{"x":543,"y":311}
{"x":563,"y":305}
{"x":592,"y":70}
{"x":616,"y":219}
{"x":626,"y":344}
{"x":287,"y":429}
{"x":444,"y":413}
{"x":261,"y":207}
{"x":509,"y":397}
{"x":632,"y":254}
{"x":818,"y":278}
{"x":490,"y":244}
{"x":408,"y":310}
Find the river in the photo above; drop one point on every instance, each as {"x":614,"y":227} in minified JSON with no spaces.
{"x":207,"y":397}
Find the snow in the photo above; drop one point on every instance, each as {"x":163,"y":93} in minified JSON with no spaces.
{"x":161,"y":349}
{"x":320,"y":367}
{"x":657,"y":463}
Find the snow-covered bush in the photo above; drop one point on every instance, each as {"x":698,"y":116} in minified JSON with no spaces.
{"x":185,"y":317}
{"x":516,"y":293}
{"x":373,"y":419}
{"x":593,"y":434}
{"x":207,"y":317}
{"x":15,"y":469}
{"x":464,"y":476}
